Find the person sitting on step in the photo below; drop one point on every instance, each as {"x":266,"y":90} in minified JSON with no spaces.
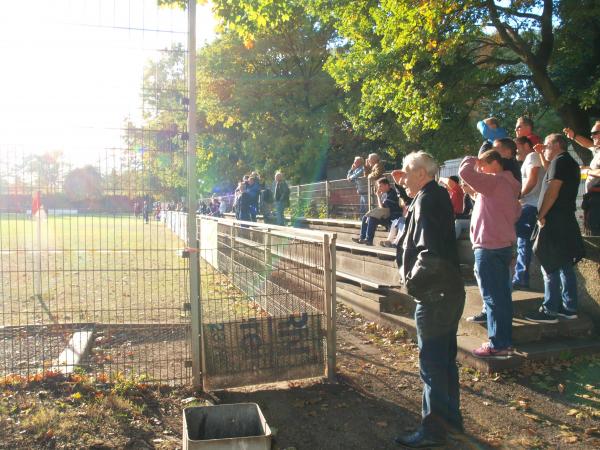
{"x":387,"y":211}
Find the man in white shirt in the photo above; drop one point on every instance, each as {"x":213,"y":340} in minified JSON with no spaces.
{"x":532,"y":174}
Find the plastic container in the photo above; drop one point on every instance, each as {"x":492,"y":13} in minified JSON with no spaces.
{"x":225,"y":427}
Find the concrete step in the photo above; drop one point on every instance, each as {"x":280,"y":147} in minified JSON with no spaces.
{"x":368,"y":266}
{"x":532,"y":341}
{"x":525,"y":331}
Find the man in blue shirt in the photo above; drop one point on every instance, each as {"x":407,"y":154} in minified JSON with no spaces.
{"x":356,"y":173}
{"x":491,"y":130}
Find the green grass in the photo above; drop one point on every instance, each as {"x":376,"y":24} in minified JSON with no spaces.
{"x":94,"y":269}
{"x":104,"y":269}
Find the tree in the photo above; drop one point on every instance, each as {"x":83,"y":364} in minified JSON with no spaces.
{"x":44,"y":170}
{"x":268,"y":104}
{"x":420,"y":60}
{"x":421,"y":71}
{"x":155,"y":158}
{"x":83,"y":184}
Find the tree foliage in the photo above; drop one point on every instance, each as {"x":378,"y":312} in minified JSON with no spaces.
{"x":418,"y":71}
{"x":267,"y":104}
{"x":84,"y":183}
{"x":155,"y":156}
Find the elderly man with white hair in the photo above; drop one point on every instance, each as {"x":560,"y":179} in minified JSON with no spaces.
{"x":428,"y":261}
{"x":374,"y":167}
{"x":356,"y":174}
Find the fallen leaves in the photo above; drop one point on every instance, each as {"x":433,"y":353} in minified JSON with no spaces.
{"x":533,"y":417}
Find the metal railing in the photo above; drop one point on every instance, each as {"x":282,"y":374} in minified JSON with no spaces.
{"x":344,"y":199}
{"x":267,"y":301}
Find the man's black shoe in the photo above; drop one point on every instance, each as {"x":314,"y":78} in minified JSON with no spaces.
{"x":541,"y":317}
{"x":420,"y":439}
{"x":358,"y":240}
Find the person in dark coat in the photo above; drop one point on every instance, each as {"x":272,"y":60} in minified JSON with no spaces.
{"x":281,"y":196}
{"x":558,"y":243}
{"x":242,"y":203}
{"x":252,"y":192}
{"x":428,"y":262}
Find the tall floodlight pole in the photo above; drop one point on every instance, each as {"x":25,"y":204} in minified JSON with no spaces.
{"x":192,"y":181}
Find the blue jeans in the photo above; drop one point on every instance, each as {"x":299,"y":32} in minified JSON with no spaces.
{"x":253,"y":212}
{"x":279,"y":207}
{"x":524,"y":228}
{"x":560,"y":290}
{"x":362,"y":204}
{"x":369,"y":225}
{"x":436,"y":333}
{"x":492,"y":270}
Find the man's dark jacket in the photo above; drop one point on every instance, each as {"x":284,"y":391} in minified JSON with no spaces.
{"x":281,"y":192}
{"x":427,"y":255}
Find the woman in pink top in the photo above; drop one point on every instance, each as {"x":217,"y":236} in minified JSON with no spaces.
{"x":495,"y":213}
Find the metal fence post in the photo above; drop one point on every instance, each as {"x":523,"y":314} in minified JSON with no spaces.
{"x":268,"y":259}
{"x":232,"y":251}
{"x":329,"y":309}
{"x":192,"y":241}
{"x":327,"y":194}
{"x":268,"y":256}
{"x":333,"y":297}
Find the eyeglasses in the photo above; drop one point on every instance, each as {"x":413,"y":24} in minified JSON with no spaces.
{"x":594,"y":133}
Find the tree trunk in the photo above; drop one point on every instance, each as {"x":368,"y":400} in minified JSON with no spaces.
{"x":576,"y":118}
{"x":571,"y":114}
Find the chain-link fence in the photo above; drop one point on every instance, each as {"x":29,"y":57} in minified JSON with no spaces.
{"x":89,"y":275}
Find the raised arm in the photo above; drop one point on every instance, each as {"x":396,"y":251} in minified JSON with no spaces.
{"x":482,"y":183}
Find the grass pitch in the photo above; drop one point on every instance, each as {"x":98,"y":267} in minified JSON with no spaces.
{"x":103,"y":269}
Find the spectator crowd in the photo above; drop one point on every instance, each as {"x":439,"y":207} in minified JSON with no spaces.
{"x":517,"y":197}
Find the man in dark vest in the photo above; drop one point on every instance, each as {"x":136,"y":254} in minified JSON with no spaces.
{"x":558,"y":243}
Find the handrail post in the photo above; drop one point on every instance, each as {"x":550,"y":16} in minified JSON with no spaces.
{"x":268,"y":256}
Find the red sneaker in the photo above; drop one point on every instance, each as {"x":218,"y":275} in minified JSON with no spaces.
{"x":486,"y":351}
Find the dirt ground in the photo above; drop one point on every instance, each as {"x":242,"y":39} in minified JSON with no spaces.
{"x":556,"y":405}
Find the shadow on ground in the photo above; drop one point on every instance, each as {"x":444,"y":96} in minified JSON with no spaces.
{"x":326,"y":416}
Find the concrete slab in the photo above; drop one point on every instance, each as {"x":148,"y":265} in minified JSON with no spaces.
{"x":76,"y":349}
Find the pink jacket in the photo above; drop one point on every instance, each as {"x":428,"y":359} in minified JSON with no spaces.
{"x":496,"y":208}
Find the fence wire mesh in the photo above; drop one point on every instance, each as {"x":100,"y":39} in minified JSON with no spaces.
{"x":263,"y":304}
{"x":93,"y":279}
